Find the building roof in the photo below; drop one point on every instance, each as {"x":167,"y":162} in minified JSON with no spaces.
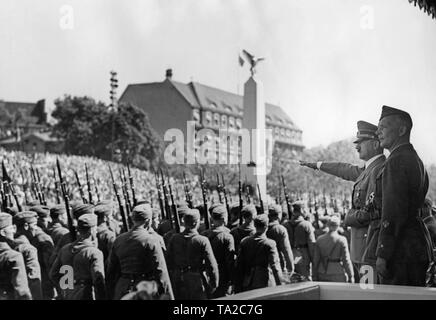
{"x":22,"y":112}
{"x":200,"y":95}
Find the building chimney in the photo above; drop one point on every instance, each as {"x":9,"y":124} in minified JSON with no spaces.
{"x":169,"y":74}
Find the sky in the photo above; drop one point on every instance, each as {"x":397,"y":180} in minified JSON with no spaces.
{"x":328,"y":63}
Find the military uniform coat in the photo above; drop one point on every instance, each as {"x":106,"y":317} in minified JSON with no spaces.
{"x":257,"y":264}
{"x":105,"y":239}
{"x":223,"y":247}
{"x":240,"y":232}
{"x":364,"y":186}
{"x":33,"y":269}
{"x":136,"y":255}
{"x":56,"y":231}
{"x":44,"y":244}
{"x":87,"y":263}
{"x":401,"y":242}
{"x":279,"y":234}
{"x":302,"y":237}
{"x":192,"y":264}
{"x":331,"y":261}
{"x":13,"y":278}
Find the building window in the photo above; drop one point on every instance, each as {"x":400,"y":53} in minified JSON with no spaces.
{"x":277,"y":131}
{"x":216,"y":120}
{"x":224,"y":121}
{"x":207,"y":117}
{"x":282,"y":132}
{"x":238,"y":123}
{"x":212,"y":105}
{"x":196,"y":115}
{"x":231,"y":122}
{"x":288,"y":133}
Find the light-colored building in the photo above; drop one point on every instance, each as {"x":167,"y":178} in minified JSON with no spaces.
{"x":170,"y":104}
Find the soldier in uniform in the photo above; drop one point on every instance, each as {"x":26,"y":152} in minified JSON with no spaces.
{"x":234,"y":216}
{"x":192,"y":264}
{"x":86,"y":262}
{"x":401,"y":249}
{"x":302,"y":237}
{"x":105,"y":236}
{"x":136,"y":256}
{"x":223,"y":247}
{"x":26,"y":223}
{"x":30,"y":256}
{"x":182,"y":208}
{"x":44,"y":219}
{"x":258,"y":263}
{"x":364,"y":178}
{"x":247,"y":227}
{"x":78,"y":209}
{"x":57,"y":227}
{"x":331,"y":260}
{"x":13,"y":279}
{"x":279,"y":234}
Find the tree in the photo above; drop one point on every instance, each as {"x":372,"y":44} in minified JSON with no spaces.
{"x":86,"y":127}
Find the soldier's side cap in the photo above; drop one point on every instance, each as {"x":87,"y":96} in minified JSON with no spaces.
{"x":182,"y":208}
{"x":274,"y":210}
{"x":87,"y":220}
{"x":298,"y":205}
{"x":41,"y":211}
{"x":191,"y":216}
{"x":249,"y":211}
{"x":261,"y":221}
{"x":334,"y":221}
{"x":25,"y":216}
{"x":365,"y":131}
{"x":103,"y":210}
{"x":389,"y":111}
{"x":82,"y":209}
{"x":219,"y":212}
{"x":57,"y":211}
{"x":5,"y":220}
{"x":142,"y":212}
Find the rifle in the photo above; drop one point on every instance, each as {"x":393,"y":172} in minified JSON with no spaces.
{"x":218,"y":188}
{"x":316,"y":213}
{"x":159,"y":194}
{"x":96,"y":189}
{"x":9,"y":184}
{"x":132,"y":187}
{"x":288,"y":202}
{"x":35,"y":185}
{"x":225,"y":197}
{"x":173,"y":206}
{"x":123,"y":216}
{"x":67,"y":203}
{"x":165,"y":193}
{"x":58,"y":198}
{"x":125,"y":191}
{"x":260,"y":199}
{"x":88,"y":184}
{"x":24,"y":186}
{"x":203,"y":191}
{"x":82,"y":195}
{"x":187,"y":193}
{"x":44,"y":202}
{"x":241,"y":203}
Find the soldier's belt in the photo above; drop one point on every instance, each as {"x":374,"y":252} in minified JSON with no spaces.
{"x":138,"y":276}
{"x":302,"y":246}
{"x":83,"y":282}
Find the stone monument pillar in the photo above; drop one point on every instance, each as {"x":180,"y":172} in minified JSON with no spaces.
{"x":253,"y":165}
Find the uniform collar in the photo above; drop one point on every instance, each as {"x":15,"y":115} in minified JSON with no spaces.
{"x":368,"y":163}
{"x":400,"y":146}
